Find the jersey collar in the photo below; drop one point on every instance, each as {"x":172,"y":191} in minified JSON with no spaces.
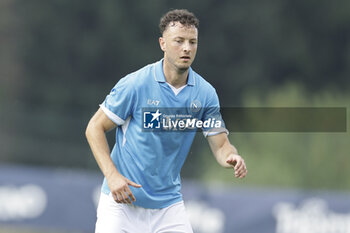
{"x":159,"y":74}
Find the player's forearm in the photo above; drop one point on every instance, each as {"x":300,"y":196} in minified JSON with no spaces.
{"x":224,"y":152}
{"x":99,"y":146}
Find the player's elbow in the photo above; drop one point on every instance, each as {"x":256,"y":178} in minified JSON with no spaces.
{"x":90,"y":129}
{"x":87,"y":131}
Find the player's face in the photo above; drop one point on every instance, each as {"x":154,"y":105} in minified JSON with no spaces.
{"x":179,"y":44}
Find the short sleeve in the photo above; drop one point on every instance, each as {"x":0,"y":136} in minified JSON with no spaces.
{"x":211,"y":113}
{"x":119,"y":103}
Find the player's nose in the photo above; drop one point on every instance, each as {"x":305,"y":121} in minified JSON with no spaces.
{"x":187,"y":47}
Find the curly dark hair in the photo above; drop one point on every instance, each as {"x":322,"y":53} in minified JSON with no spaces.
{"x":178,"y":15}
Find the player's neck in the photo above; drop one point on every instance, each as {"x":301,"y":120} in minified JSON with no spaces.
{"x":177,"y":78}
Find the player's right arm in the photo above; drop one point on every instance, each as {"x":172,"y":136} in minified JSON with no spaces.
{"x":96,"y":137}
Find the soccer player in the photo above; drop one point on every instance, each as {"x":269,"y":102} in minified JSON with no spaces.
{"x":141,"y":189}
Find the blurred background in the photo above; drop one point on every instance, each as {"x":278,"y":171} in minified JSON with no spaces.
{"x":60,"y":58}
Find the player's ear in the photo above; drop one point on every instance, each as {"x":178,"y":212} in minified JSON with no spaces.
{"x":162,"y":43}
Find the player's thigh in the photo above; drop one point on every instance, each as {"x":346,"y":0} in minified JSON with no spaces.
{"x":111,"y":217}
{"x":172,"y":219}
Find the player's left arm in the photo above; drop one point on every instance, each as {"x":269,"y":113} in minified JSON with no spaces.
{"x":226,"y":154}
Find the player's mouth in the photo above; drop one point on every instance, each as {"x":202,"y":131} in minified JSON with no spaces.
{"x":185,"y":58}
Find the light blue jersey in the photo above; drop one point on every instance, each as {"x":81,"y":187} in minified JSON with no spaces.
{"x":154,"y":158}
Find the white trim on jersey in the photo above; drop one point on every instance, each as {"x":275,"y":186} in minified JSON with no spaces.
{"x":215,"y":131}
{"x":176,"y":90}
{"x":116,"y":119}
{"x":125,"y":128}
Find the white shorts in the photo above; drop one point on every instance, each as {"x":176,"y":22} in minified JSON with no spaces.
{"x":113,"y":217}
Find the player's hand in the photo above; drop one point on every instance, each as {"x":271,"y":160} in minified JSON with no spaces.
{"x":119,"y":186}
{"x":238,"y":164}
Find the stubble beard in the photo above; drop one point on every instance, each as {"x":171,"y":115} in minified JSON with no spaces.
{"x":183,"y":67}
{"x":180,"y":66}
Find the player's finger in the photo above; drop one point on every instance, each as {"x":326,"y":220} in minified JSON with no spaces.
{"x":120,"y":197}
{"x":238,"y":165}
{"x":125,"y":198}
{"x":134,"y":184}
{"x":239,"y":172}
{"x":244,"y":174}
{"x":232,"y":162}
{"x":117,"y":198}
{"x":132,"y":197}
{"x":240,"y":168}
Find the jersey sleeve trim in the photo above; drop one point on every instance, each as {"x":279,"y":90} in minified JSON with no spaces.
{"x":116,"y":119}
{"x":215,"y":131}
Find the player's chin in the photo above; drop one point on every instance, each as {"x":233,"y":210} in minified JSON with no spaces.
{"x":184,"y":67}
